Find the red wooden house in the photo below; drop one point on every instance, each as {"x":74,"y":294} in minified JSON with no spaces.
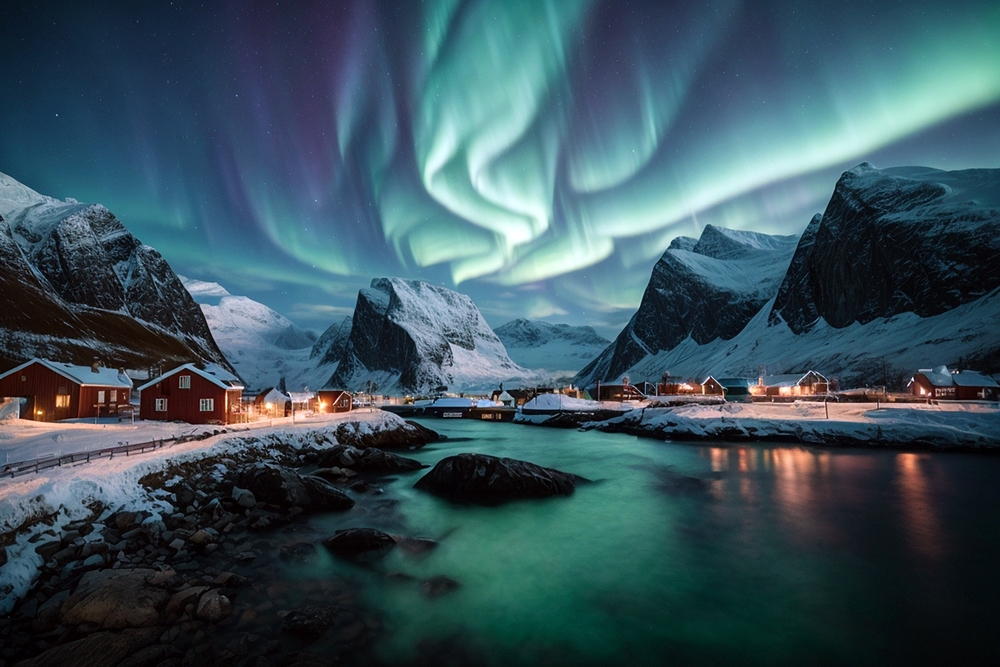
{"x":334,"y":400}
{"x":52,"y":390}
{"x":943,"y":384}
{"x":209,"y":395}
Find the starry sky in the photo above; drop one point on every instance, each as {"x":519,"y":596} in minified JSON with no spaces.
{"x":538,"y":155}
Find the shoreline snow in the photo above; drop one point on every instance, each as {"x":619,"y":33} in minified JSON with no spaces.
{"x":35,"y":508}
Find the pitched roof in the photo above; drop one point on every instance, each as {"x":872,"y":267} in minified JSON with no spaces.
{"x":81,"y":375}
{"x":730,"y":382}
{"x":973,"y":379}
{"x":214,"y":373}
{"x":789,"y":379}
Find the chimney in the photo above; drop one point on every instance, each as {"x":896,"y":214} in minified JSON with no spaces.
{"x":95,"y":366}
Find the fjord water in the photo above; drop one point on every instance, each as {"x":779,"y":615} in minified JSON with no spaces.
{"x":692,"y":554}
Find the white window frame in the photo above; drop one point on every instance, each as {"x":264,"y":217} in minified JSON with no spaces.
{"x":159,"y":405}
{"x":183,"y":381}
{"x":100,"y":396}
{"x":114,"y":396}
{"x":206,"y":405}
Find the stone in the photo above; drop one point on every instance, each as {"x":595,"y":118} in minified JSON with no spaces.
{"x":489,"y":480}
{"x":309,"y":621}
{"x":438,"y":585}
{"x":213,"y":606}
{"x":363,"y":545}
{"x":244,"y":497}
{"x":96,"y":650}
{"x":299,"y":552}
{"x":114,"y":599}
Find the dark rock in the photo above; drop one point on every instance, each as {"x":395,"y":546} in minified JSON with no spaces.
{"x":438,"y":585}
{"x":324,"y":496}
{"x":285,"y":488}
{"x":112,"y":599}
{"x":97,"y":650}
{"x":299,"y":552}
{"x":488,"y":480}
{"x":360,"y":544}
{"x":310,"y":621}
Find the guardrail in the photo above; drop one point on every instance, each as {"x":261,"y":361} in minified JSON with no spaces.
{"x":35,"y":465}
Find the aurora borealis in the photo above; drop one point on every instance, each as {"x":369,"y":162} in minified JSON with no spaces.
{"x":536,"y":155}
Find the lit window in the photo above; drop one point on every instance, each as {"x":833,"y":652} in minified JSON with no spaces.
{"x":184,"y":382}
{"x":207,"y":404}
{"x":160,"y":405}
{"x":62,"y":400}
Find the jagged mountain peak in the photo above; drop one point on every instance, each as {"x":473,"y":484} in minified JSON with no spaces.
{"x":409,"y":335}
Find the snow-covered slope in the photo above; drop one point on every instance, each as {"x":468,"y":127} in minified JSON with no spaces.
{"x":559,"y":349}
{"x":902,"y":271}
{"x":411,"y":336}
{"x":77,"y":284}
{"x":263,"y":346}
{"x":706,"y":290}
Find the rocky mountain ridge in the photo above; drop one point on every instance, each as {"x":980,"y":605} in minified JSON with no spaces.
{"x":899,"y":272}
{"x":411,"y":336}
{"x":77,"y":284}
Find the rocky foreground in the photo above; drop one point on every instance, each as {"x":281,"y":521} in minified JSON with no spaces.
{"x":193,"y":580}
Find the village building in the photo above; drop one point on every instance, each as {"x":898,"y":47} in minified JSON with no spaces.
{"x":673,"y":386}
{"x":273,"y":403}
{"x":193,"y":394}
{"x":615,"y":392}
{"x":334,"y":400}
{"x":51,"y":390}
{"x":732,"y":389}
{"x":943,"y":384}
{"x":792,"y":385}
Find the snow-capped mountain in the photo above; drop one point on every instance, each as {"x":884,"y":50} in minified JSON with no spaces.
{"x":559,"y":349}
{"x":329,"y":347}
{"x":263,"y":346}
{"x":412,"y":336}
{"x":702,"y":290}
{"x":900,"y":272}
{"x":76,"y":284}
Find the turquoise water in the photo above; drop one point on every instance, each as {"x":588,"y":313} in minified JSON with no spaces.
{"x":692,"y":555}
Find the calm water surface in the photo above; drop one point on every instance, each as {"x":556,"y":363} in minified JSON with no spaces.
{"x":693,"y":555}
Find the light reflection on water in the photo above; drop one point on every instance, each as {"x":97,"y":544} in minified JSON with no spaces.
{"x":692,"y":554}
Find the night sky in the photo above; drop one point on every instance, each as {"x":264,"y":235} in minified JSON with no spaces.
{"x":538,"y":156}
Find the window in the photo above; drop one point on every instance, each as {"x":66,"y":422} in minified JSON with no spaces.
{"x":62,"y":400}
{"x":114,"y":395}
{"x":184,"y":382}
{"x":100,"y":396}
{"x":207,"y":405}
{"x":160,"y":405}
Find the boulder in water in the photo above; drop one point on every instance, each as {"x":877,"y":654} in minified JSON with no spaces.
{"x":489,"y":480}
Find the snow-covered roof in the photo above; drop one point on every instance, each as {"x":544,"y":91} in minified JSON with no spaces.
{"x":730,"y":382}
{"x":789,"y":379}
{"x":938,"y":376}
{"x":275,"y":396}
{"x":973,"y":379}
{"x":214,"y":373}
{"x":82,"y":375}
{"x":301,"y":396}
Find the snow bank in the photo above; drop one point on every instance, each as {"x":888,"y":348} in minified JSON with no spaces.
{"x":949,"y":426}
{"x":38,"y":506}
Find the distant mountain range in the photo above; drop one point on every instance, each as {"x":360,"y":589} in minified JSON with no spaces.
{"x":76,"y":284}
{"x":902,"y":271}
{"x":265,"y":348}
{"x":559,"y":350}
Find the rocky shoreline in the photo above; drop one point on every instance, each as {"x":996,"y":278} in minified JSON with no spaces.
{"x":194,"y":583}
